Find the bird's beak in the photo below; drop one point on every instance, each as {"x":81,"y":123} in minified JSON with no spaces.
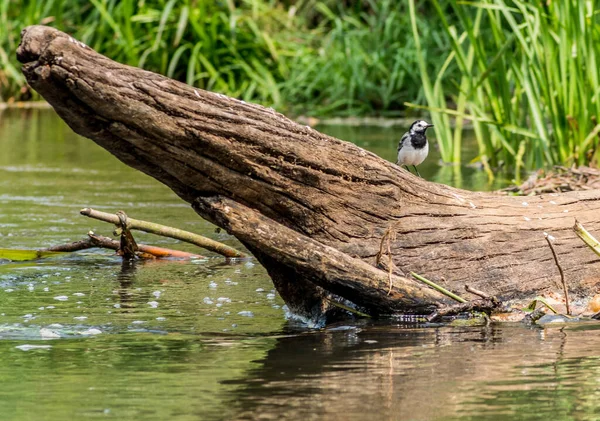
{"x":429,"y":125}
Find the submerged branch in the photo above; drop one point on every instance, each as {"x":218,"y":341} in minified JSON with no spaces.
{"x":166,"y":231}
{"x":84,"y":244}
{"x":99,"y":241}
{"x":484,"y":305}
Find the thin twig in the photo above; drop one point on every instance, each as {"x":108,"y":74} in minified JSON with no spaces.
{"x":166,"y":231}
{"x":476,"y":292}
{"x":84,"y":244}
{"x":345,"y":307}
{"x":388,"y":236}
{"x":439,"y":288}
{"x":390,"y":263}
{"x":99,"y":241}
{"x":562,"y":275}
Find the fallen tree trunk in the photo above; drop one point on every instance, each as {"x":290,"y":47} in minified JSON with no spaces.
{"x":319,"y":213}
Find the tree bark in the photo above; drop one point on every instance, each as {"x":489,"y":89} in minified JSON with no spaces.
{"x":313,"y":209}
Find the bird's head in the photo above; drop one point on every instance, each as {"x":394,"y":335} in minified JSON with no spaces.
{"x":420,"y":126}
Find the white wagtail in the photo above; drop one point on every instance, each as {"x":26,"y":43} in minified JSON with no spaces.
{"x":413,"y":147}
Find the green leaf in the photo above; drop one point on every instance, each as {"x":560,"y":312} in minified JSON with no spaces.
{"x":23,"y":255}
{"x":539,"y":300}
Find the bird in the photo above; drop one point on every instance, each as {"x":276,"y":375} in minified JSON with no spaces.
{"x":413,"y":147}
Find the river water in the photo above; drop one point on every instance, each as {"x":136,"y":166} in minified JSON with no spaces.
{"x":85,"y":336}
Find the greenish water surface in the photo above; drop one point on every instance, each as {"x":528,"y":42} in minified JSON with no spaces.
{"x":85,"y":336}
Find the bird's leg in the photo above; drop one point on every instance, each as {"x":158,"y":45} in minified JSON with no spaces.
{"x":406,"y":166}
{"x":415,"y":167}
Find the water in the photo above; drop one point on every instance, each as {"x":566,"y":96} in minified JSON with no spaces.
{"x":85,"y":336}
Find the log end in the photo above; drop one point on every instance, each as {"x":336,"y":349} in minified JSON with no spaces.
{"x":34,"y":41}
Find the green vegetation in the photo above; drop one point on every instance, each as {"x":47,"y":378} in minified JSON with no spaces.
{"x":311,"y":57}
{"x":212,"y":45}
{"x":360,"y":61}
{"x":524,"y":74}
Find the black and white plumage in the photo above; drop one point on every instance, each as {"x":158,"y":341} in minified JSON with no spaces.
{"x":413,"y":147}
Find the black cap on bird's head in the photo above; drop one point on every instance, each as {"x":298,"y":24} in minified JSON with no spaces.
{"x":420,"y":126}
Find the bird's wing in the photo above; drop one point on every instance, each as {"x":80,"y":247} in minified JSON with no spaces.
{"x":401,"y":143}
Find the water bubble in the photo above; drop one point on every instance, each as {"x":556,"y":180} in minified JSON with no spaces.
{"x":28,"y":347}
{"x":61,"y":298}
{"x":246,"y":313}
{"x":48,"y":334}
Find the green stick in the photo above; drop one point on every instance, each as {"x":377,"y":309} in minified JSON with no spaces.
{"x":439,"y":288}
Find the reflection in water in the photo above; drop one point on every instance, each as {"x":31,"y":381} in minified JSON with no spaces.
{"x":126,"y":279}
{"x":426,"y":374}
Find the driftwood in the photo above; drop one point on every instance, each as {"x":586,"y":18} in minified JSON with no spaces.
{"x":100,"y":241}
{"x":165,"y":231}
{"x":314,"y":210}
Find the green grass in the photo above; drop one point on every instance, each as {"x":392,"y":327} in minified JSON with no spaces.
{"x":526,"y":76}
{"x":236,"y":48}
{"x":315,"y":57}
{"x":360,"y":62}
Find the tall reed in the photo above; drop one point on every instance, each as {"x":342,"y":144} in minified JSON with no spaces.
{"x":237,"y":48}
{"x":318,"y":57}
{"x":359,"y":59}
{"x":527,"y":77}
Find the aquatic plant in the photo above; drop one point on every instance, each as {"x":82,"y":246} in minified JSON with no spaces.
{"x":525,"y":74}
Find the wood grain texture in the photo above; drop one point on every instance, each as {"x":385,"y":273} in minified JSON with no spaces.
{"x":336,"y":199}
